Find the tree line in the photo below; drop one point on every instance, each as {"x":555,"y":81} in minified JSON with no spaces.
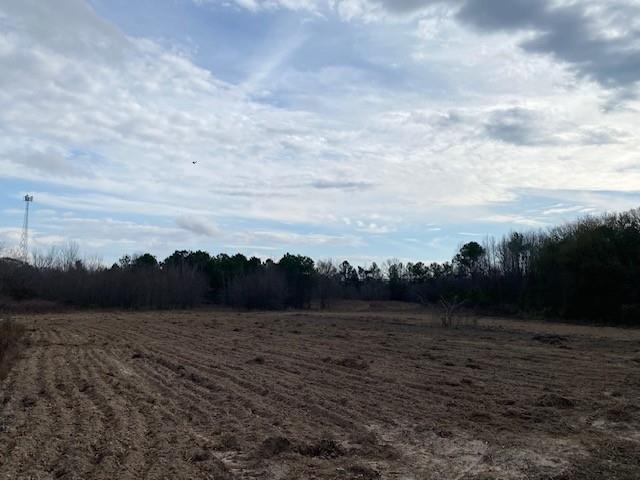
{"x":587,"y":269}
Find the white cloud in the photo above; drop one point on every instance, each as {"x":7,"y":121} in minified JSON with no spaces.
{"x":295,"y":239}
{"x":198,"y":226}
{"x":256,"y":5}
{"x":516,"y":220}
{"x":111,"y":124}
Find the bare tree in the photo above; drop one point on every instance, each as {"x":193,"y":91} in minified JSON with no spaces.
{"x":450,"y":308}
{"x":45,"y":260}
{"x":93,"y":263}
{"x":69,"y":255}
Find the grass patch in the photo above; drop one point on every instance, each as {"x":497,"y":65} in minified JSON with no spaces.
{"x":10,"y":334}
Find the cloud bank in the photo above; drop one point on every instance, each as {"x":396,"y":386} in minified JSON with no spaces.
{"x":424,"y":117}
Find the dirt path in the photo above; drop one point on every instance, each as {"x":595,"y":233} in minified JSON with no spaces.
{"x":340,"y":395}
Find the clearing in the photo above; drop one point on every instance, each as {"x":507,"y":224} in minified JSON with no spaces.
{"x":367,"y":392}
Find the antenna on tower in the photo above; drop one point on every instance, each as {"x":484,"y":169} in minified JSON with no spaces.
{"x":24,"y":240}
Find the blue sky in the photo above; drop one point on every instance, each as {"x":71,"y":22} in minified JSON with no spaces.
{"x":358,"y":129}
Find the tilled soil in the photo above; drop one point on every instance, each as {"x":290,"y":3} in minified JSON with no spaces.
{"x":329,"y":395}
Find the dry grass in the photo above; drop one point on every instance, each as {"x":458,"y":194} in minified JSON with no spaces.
{"x":10,"y":336}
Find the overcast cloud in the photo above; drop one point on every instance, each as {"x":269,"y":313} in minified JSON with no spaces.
{"x":327,"y":127}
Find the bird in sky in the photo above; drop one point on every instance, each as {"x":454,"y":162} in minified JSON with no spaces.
{"x":194,"y":162}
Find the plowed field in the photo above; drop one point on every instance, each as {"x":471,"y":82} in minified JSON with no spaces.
{"x":358,"y":394}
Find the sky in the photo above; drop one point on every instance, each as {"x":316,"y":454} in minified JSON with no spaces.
{"x":345,"y":129}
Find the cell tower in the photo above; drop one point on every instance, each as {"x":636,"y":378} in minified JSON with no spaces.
{"x":24,"y":240}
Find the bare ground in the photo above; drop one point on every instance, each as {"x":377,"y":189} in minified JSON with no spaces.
{"x":366,"y":393}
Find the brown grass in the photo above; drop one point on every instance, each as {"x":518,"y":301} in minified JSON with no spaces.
{"x":10,"y":343}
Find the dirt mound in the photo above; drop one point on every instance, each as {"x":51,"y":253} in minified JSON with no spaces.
{"x":349,"y":362}
{"x":608,"y":459}
{"x":195,"y":455}
{"x":325,"y":448}
{"x":257,"y":361}
{"x":274,"y":446}
{"x":555,"y":401}
{"x":621,"y":413}
{"x":361,"y":472}
{"x":226,"y":441}
{"x":550,"y":339}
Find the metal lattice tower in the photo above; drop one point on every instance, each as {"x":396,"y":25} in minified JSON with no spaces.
{"x":24,"y":240}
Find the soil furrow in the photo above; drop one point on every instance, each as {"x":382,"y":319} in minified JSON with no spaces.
{"x":324,"y":395}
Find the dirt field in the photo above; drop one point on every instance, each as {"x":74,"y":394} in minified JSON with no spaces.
{"x":370,"y":393}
